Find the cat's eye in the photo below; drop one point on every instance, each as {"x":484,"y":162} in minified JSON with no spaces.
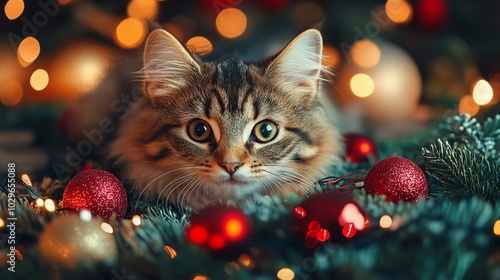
{"x":265,"y":131}
{"x":200,"y":131}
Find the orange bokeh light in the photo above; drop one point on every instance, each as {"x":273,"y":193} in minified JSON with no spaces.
{"x":399,"y":11}
{"x":130,"y":33}
{"x":231,"y":22}
{"x":234,"y":228}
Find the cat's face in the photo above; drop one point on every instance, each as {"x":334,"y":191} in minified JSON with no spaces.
{"x":213,"y":132}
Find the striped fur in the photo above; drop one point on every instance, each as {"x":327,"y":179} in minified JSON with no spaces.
{"x":232,"y":96}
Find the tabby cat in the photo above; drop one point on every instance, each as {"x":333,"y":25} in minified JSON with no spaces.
{"x":213,"y":132}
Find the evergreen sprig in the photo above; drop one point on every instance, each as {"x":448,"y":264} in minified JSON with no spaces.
{"x":461,"y":171}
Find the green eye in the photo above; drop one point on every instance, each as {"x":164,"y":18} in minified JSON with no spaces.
{"x":200,"y":131}
{"x":265,"y":131}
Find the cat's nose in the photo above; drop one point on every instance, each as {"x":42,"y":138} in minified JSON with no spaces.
{"x":231,"y":167}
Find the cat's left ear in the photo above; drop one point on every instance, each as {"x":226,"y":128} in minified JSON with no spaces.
{"x":167,"y":64}
{"x":298,"y":65}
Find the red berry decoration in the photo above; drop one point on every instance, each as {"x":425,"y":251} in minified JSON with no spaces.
{"x":328,"y":217}
{"x":359,"y":148}
{"x":219,"y":228}
{"x":398,"y":179}
{"x":97,"y":191}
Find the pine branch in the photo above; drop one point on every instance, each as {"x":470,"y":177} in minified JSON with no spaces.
{"x":461,"y":171}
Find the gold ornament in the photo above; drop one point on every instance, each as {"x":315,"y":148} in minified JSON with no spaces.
{"x":69,"y":241}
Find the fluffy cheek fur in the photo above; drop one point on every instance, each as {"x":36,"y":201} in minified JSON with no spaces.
{"x":189,"y":173}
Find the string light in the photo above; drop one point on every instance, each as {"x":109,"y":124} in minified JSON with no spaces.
{"x":39,"y":202}
{"x":231,"y":22}
{"x":285,"y":274}
{"x":136,"y":220}
{"x":26,"y":179}
{"x":11,"y":93}
{"x":171,"y":251}
{"x":385,"y":221}
{"x":362,"y":85}
{"x":107,"y":228}
{"x":2,"y":223}
{"x":199,"y":45}
{"x":245,"y":260}
{"x":130,"y":33}
{"x":14,"y":9}
{"x":39,"y":79}
{"x":50,"y":206}
{"x":28,"y":51}
{"x":365,"y":53}
{"x":482,"y":92}
{"x":399,"y":11}
{"x":467,"y":105}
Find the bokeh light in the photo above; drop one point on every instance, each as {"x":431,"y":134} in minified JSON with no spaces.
{"x":331,"y":56}
{"x":362,"y":85}
{"x":467,"y":105}
{"x":39,"y":79}
{"x":482,"y":92}
{"x":50,"y":205}
{"x":136,"y":220}
{"x":306,"y":14}
{"x":399,"y":11}
{"x":496,"y":228}
{"x":14,"y":9}
{"x":199,"y":45}
{"x":171,"y":251}
{"x":147,"y":9}
{"x":285,"y":274}
{"x":2,"y":223}
{"x":245,"y":260}
{"x":130,"y":33}
{"x":28,"y":51}
{"x":200,"y":277}
{"x":39,"y":202}
{"x":385,"y":221}
{"x":234,"y":228}
{"x":107,"y":228}
{"x":11,"y":93}
{"x":231,"y":22}
{"x":365,"y":53}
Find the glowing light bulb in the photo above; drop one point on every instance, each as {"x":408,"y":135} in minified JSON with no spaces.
{"x":136,"y":220}
{"x":234,"y":228}
{"x":199,"y":45}
{"x":39,"y":79}
{"x":107,"y":228}
{"x":130,"y":33}
{"x":50,"y":205}
{"x":496,"y":228}
{"x":39,"y":202}
{"x":171,"y":251}
{"x":26,"y":179}
{"x":362,"y":85}
{"x":231,"y":22}
{"x":365,"y":53}
{"x":482,"y":92}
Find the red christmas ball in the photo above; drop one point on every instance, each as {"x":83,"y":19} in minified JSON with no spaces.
{"x":359,"y":148}
{"x":97,"y":191}
{"x":219,"y":228}
{"x":328,"y":217}
{"x":398,"y":179}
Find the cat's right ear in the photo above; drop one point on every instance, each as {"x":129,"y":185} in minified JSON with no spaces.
{"x":167,"y":64}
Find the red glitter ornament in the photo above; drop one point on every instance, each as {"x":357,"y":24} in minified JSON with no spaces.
{"x":324,"y":217}
{"x":398,"y":179}
{"x":97,"y":191}
{"x":219,"y":228}
{"x":359,"y":148}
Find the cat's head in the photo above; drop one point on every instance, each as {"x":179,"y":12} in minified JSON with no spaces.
{"x":213,"y":132}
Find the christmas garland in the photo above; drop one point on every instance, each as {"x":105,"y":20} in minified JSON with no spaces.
{"x":454,"y":234}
